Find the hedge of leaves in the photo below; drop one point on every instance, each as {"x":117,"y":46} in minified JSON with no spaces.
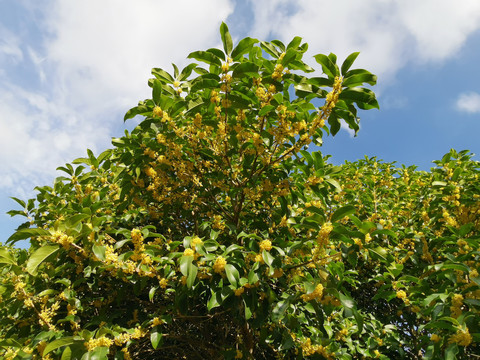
{"x":210,"y":231}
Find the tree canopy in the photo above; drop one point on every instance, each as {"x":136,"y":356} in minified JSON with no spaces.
{"x":211,"y":230}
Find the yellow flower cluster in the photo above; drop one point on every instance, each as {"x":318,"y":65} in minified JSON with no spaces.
{"x":457,"y":303}
{"x":219,"y":265}
{"x":239,"y":291}
{"x":324,"y":233}
{"x":309,"y":349}
{"x":137,"y":333}
{"x":461,"y":337}
{"x":277,"y":72}
{"x":102,"y":341}
{"x":139,"y":248}
{"x":265,"y":245}
{"x":47,"y":313}
{"x":315,"y":294}
{"x":189,"y":252}
{"x":62,"y":239}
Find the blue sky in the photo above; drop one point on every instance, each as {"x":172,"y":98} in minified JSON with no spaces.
{"x":69,"y":70}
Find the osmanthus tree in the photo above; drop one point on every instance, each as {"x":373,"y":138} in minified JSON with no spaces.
{"x":211,"y":232}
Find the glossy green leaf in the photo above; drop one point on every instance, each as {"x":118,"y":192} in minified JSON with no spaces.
{"x":360,"y":79}
{"x":242,"y":48}
{"x":99,"y":251}
{"x":232,"y":273}
{"x":206,"y":57}
{"x":99,"y":353}
{"x":349,"y":62}
{"x":137,"y":110}
{"x":69,"y":340}
{"x":328,"y":66}
{"x":6,"y":257}
{"x":156,"y":337}
{"x":226,"y":38}
{"x":23,"y":234}
{"x":342,"y":212}
{"x":39,"y":256}
{"x":157,"y":91}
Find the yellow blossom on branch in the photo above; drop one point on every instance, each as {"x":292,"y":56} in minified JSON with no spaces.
{"x":219,"y":265}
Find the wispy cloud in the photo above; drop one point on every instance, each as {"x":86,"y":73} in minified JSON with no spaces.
{"x":468,"y":102}
{"x":389,"y":34}
{"x":90,"y":64}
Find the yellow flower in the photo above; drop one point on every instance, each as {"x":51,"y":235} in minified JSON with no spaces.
{"x":157,"y":111}
{"x":157,"y":321}
{"x":462,"y":338}
{"x":239,"y":291}
{"x":163,"y":283}
{"x":195,"y":241}
{"x":188,"y":252}
{"x":219,"y":265}
{"x":401,"y":294}
{"x":266,"y":245}
{"x":435,"y":338}
{"x":316,"y":294}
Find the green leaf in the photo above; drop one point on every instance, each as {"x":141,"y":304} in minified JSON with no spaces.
{"x":379,"y":253}
{"x":69,"y":340}
{"x":269,"y":49}
{"x":99,"y":251}
{"x":320,"y":81}
{"x":206,"y":57}
{"x":163,"y":75}
{"x":248,"y":311}
{"x":278,"y":311}
{"x":39,"y":256}
{"x":290,"y":55}
{"x":334,"y":183}
{"x":184,"y":263}
{"x":348,"y":303}
{"x":100,"y":353}
{"x":226,"y":38}
{"x":267,"y":257}
{"x":245,"y":69}
{"x":20,"y":202}
{"x":137,"y":110}
{"x":328,"y":66}
{"x":155,"y":338}
{"x":6,"y":257}
{"x":295,"y":43}
{"x":213,"y":302}
{"x":451,"y":352}
{"x":363,"y":97}
{"x":348,"y":62}
{"x":66,"y":354}
{"x":157,"y":91}
{"x":232,"y":274}
{"x":23,"y":234}
{"x":192,"y":275}
{"x":242,"y":48}
{"x":342,"y":212}
{"x":360,"y":79}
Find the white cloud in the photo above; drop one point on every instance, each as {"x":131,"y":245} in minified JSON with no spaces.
{"x":93,"y":63}
{"x":105,"y":50}
{"x":388,"y":33}
{"x":10,"y":51}
{"x":468,"y":102}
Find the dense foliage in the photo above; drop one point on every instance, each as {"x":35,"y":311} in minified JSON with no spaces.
{"x":211,"y":232}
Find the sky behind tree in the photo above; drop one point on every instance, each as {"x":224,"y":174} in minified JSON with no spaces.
{"x":70,"y":70}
